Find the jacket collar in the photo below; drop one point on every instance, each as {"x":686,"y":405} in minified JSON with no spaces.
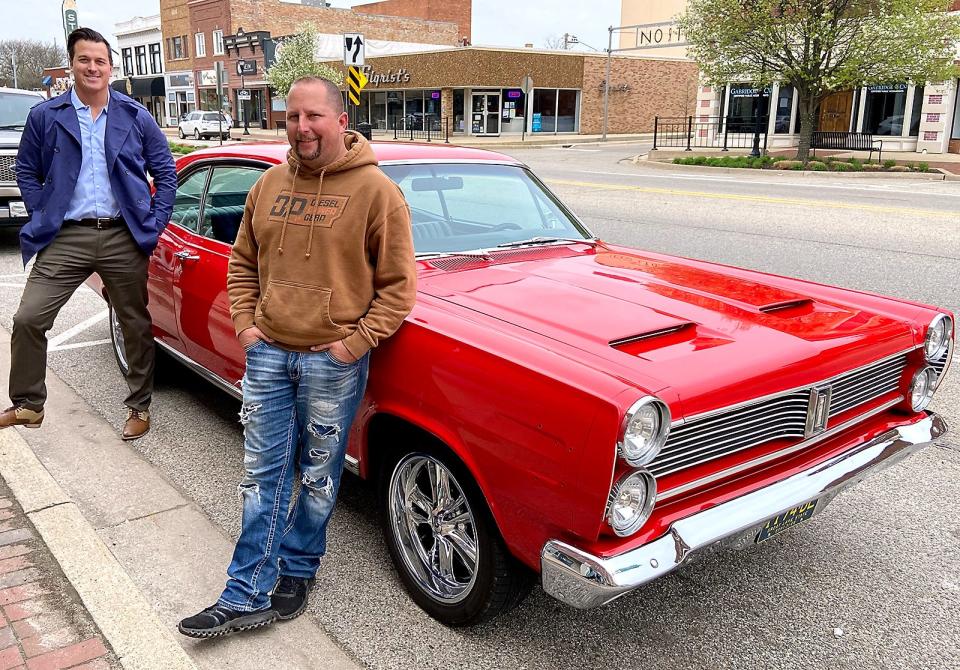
{"x":123,"y":113}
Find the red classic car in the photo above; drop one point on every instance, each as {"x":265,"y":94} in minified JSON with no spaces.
{"x":558,"y":405}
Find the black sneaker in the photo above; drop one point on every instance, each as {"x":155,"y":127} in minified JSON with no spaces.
{"x":221,"y":620}
{"x":289,"y":598}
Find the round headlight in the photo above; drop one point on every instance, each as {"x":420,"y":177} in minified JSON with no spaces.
{"x":631,"y":502}
{"x":938,"y":337}
{"x":922,"y":387}
{"x":645,"y":429}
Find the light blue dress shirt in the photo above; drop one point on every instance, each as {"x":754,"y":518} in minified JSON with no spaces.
{"x":93,"y":196}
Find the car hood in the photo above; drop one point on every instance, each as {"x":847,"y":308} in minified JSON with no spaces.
{"x":10,"y":138}
{"x":715,"y":335}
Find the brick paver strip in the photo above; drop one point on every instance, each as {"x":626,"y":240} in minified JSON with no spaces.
{"x":10,"y":658}
{"x":17,"y":535}
{"x":14,"y":550}
{"x":7,"y":637}
{"x":41,"y":644}
{"x":17,"y":593}
{"x":19,"y":577}
{"x":69,"y":657}
{"x":14,"y":564}
{"x":22,"y":610}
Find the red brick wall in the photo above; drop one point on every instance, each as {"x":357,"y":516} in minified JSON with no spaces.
{"x":656,"y":88}
{"x":454,"y":11}
{"x":286,"y":19}
{"x":207,"y":16}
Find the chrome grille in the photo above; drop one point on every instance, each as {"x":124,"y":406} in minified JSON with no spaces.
{"x":941,"y":363}
{"x":783,"y":416}
{"x":7,"y":162}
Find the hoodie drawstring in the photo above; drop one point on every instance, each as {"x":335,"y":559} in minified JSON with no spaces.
{"x":283,"y":229}
{"x":313,"y":220}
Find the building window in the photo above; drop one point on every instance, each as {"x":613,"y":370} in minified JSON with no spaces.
{"x":544,"y":110}
{"x":127,"y":62}
{"x":156,"y":67}
{"x":201,"y":45}
{"x":217,"y":42}
{"x":746,"y":102}
{"x":884,"y":109}
{"x":141,"y":60}
{"x":178,"y":47}
{"x":917,"y":109}
{"x":458,"y":110}
{"x":784,"y":109}
{"x":567,"y":111}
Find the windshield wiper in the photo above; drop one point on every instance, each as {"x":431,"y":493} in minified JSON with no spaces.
{"x":11,"y":126}
{"x":542,"y":239}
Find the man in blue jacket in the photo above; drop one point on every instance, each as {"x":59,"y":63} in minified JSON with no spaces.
{"x":82,"y":170}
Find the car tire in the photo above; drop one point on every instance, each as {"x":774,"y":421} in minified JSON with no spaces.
{"x":451,"y":591}
{"x":180,"y":133}
{"x":196,"y":133}
{"x":117,"y":342}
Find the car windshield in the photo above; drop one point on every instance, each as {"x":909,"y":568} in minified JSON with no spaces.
{"x":457,"y":208}
{"x":14,"y":108}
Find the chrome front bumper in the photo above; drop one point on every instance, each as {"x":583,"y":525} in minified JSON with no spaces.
{"x":583,"y":581}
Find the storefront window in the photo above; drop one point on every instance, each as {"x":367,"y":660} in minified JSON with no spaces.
{"x":567,"y":111}
{"x":458,"y":110}
{"x":513,"y":114}
{"x":917,"y":108}
{"x":955,"y":135}
{"x":746,"y":102}
{"x":413,"y":110}
{"x":884,"y":109}
{"x":784,"y":109}
{"x":544,"y":111}
{"x":394,"y":109}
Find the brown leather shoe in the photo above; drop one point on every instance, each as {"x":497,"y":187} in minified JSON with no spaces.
{"x":20,"y":416}
{"x":137,"y":424}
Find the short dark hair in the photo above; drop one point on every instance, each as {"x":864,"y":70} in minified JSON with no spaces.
{"x":87,"y":35}
{"x":333,"y":91}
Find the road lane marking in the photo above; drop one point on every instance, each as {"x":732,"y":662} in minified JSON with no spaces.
{"x":754,"y":198}
{"x":78,"y":345}
{"x":79,"y":328}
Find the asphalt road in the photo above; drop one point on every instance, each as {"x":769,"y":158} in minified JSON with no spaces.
{"x":873,"y":582}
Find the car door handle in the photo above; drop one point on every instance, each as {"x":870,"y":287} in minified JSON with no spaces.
{"x":186,"y":256}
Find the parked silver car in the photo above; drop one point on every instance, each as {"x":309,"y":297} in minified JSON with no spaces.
{"x":200,"y":124}
{"x":14,"y":106}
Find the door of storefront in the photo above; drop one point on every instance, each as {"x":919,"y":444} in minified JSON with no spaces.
{"x":835,"y":111}
{"x":485,"y":117}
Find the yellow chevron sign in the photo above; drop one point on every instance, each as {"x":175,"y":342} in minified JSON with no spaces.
{"x":356,"y":80}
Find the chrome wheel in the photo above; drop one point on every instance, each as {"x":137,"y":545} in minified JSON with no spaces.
{"x":434,"y":527}
{"x":119,"y":348}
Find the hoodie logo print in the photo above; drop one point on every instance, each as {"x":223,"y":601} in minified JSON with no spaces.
{"x":302,"y":208}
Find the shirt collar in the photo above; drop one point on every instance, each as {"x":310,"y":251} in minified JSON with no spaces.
{"x":78,"y":103}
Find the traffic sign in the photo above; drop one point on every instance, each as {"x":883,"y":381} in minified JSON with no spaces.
{"x":527,"y":85}
{"x":353,"y":49}
{"x":356,"y":80}
{"x":243,"y":94}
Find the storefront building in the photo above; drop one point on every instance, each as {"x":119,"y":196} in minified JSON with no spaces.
{"x":480,"y":91}
{"x":906,"y":116}
{"x":139,"y":41}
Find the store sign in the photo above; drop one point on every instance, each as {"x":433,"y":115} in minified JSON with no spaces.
{"x":514,"y":94}
{"x":246,"y":67}
{"x":887,"y":88}
{"x":181,"y":80}
{"x":537,"y":125}
{"x":747,"y":91}
{"x":434,"y":95}
{"x":615,"y":88}
{"x":398,"y":76}
{"x":656,"y":35}
{"x":206,"y":78}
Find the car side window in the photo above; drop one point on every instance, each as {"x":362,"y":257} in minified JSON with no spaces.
{"x":186,"y":206}
{"x":226,"y":197}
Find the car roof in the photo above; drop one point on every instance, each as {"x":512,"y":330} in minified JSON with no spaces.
{"x":386,"y":152}
{"x":21,"y":91}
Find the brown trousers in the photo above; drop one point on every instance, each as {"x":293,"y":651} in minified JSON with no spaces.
{"x":76,"y":253}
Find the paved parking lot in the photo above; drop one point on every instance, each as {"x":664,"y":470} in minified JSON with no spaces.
{"x":873,"y":582}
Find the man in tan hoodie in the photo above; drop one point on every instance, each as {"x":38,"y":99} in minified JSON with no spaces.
{"x":321,"y":272}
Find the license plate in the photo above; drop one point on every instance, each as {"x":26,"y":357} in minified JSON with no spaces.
{"x":788,"y":519}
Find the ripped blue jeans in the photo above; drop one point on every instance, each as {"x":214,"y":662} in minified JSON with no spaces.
{"x":297,"y":410}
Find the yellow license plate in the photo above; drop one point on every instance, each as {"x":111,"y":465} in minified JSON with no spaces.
{"x":788,"y":519}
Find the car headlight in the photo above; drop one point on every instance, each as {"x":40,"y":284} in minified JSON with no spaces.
{"x":631,"y":502}
{"x":938,"y":337}
{"x":922,"y":386}
{"x":646,"y":426}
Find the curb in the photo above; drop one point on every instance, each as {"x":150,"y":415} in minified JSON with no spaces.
{"x":116,"y":606}
{"x":810,"y":174}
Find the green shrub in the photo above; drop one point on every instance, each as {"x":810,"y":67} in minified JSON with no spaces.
{"x":923,"y":167}
{"x":857,"y":164}
{"x":713,"y":161}
{"x":700,"y":160}
{"x":816,"y":166}
{"x":678,"y":161}
{"x":889,"y":164}
{"x":843,"y":167}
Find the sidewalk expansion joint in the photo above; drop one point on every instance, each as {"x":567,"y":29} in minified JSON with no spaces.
{"x":147,"y":516}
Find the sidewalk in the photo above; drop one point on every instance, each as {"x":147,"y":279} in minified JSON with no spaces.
{"x":137,"y":553}
{"x":43,"y":625}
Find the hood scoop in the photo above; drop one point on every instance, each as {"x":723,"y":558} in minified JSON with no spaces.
{"x":797,"y":307}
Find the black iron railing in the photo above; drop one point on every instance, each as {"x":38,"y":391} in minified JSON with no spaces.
{"x":421,"y":127}
{"x":715,"y":132}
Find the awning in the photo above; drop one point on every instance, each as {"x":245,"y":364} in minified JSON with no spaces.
{"x":140,"y":87}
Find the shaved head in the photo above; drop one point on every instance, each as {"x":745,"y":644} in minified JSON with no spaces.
{"x":334,"y":99}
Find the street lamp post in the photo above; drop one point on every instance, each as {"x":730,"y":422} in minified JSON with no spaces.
{"x":243,"y":87}
{"x":755,"y":153}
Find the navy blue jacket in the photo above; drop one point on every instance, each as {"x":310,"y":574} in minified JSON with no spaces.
{"x":48,"y":165}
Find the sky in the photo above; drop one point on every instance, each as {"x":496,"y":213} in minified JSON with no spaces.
{"x":495,"y":22}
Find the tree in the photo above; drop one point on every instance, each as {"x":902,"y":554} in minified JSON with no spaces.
{"x":821,"y":46}
{"x":31,"y":57}
{"x":296,"y":58}
{"x":554,"y":42}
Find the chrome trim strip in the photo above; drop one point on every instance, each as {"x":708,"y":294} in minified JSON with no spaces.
{"x":214,"y":379}
{"x":770,"y":396}
{"x":673,"y":493}
{"x":350,"y":463}
{"x":583,"y":580}
{"x":647,"y":336}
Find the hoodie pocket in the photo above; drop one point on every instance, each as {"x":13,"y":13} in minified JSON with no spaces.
{"x":298,"y":312}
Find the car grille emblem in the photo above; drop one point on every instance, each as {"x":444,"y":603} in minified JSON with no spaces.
{"x":818,"y":410}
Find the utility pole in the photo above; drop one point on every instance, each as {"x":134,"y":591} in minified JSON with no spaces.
{"x":565,"y":41}
{"x":13,"y":59}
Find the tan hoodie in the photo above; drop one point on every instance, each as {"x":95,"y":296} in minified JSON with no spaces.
{"x":325,"y":253}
